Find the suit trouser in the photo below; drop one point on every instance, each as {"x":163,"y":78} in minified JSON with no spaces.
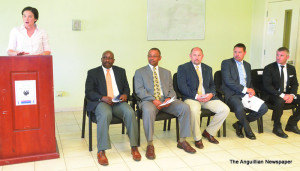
{"x":216,"y":106}
{"x":278,"y":104}
{"x":104,"y":113}
{"x":235,"y":103}
{"x":177,"y":108}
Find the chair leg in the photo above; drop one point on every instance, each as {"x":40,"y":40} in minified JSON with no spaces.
{"x":169,"y":125}
{"x":219,"y":133}
{"x":165,"y":125}
{"x":200,"y":121}
{"x":224,"y":128}
{"x":177,"y":129}
{"x":208,"y":121}
{"x":139,"y":130}
{"x":83,"y":124}
{"x":123,"y":128}
{"x":259,"y":125}
{"x":90,"y":133}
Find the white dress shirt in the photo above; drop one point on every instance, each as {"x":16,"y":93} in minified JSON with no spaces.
{"x":34,"y":45}
{"x":113,"y":79}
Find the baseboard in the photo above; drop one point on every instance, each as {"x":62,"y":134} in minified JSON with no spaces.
{"x":72,"y":109}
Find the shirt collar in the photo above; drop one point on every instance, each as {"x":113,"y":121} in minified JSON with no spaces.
{"x":105,"y":69}
{"x":239,"y":62}
{"x":197,"y":65}
{"x":36,"y":27}
{"x":281,"y":65}
{"x":151,"y":67}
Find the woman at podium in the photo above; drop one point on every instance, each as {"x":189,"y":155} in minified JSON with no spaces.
{"x":28,"y":39}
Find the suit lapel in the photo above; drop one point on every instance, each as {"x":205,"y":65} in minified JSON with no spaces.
{"x":235,"y":69}
{"x":276,"y":70}
{"x":117,"y":77}
{"x":194,"y":72}
{"x":149,"y":74}
{"x":102,"y":80}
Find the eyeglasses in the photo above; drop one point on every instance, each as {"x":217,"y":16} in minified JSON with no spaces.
{"x":107,"y":58}
{"x":149,"y":56}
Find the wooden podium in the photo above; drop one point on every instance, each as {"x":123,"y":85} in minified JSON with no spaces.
{"x":27,"y":125}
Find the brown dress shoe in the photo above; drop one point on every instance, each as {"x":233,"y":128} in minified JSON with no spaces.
{"x":210,"y":137}
{"x":199,"y":144}
{"x":186,"y":147}
{"x":135,"y":154}
{"x":102,"y":158}
{"x":150,"y":154}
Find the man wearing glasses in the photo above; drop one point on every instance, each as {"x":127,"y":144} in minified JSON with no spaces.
{"x":154,"y":86}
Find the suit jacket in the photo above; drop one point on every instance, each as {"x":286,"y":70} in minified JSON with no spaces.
{"x":271,"y":79}
{"x":144,"y":86}
{"x":231,"y":80}
{"x":188,"y":81}
{"x":95,"y":85}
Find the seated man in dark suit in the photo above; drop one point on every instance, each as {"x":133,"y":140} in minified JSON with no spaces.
{"x":196,"y":84}
{"x":154,"y":85}
{"x":236,"y":83}
{"x":281,"y":84}
{"x":103,"y":84}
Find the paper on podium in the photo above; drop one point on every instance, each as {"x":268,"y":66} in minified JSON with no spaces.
{"x":253,"y":103}
{"x":169,"y":101}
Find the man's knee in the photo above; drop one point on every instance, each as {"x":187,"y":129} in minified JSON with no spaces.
{"x":264,"y":108}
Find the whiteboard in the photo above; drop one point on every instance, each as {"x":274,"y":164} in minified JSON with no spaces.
{"x":176,"y":19}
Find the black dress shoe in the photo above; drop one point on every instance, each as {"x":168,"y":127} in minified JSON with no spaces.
{"x":238,"y":130}
{"x":250,"y":135}
{"x":294,"y":129}
{"x":279,"y":132}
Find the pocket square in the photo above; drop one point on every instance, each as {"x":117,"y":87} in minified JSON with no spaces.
{"x":291,"y":75}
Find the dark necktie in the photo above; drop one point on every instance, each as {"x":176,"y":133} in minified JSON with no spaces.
{"x":281,"y":80}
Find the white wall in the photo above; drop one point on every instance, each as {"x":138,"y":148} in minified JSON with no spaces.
{"x":121,"y":26}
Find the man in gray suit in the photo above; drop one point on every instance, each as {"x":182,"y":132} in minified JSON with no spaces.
{"x":196,"y":84}
{"x":154,"y":86}
{"x":103,"y":84}
{"x":236,"y":83}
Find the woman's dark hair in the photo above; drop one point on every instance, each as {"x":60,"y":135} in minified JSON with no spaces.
{"x":33,"y":10}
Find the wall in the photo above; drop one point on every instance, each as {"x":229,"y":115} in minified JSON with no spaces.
{"x":121,"y":26}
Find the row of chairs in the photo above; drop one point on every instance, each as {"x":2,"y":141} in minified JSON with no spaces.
{"x":166,"y":117}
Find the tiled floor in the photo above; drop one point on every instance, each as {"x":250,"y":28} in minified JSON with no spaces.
{"x":74,"y":154}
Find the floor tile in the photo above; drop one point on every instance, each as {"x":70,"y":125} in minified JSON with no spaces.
{"x":145,"y":165}
{"x":79,"y":162}
{"x":17,"y":167}
{"x":170,"y":163}
{"x":50,"y":165}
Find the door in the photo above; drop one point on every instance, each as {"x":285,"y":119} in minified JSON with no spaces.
{"x":281,"y":29}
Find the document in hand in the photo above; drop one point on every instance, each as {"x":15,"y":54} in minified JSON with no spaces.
{"x":169,"y":101}
{"x":252,"y":103}
{"x":116,"y":99}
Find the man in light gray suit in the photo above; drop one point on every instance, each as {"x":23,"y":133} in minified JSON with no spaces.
{"x":154,"y":86}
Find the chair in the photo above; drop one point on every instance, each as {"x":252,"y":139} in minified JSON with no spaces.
{"x":160,"y":116}
{"x":257,"y":80}
{"x":204,"y":112}
{"x":92,"y":118}
{"x":221,"y":95}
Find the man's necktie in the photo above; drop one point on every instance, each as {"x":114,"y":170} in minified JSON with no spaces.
{"x":157,"y":94}
{"x":241,"y":74}
{"x":200,"y":80}
{"x":281,"y":79}
{"x":110,"y":92}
